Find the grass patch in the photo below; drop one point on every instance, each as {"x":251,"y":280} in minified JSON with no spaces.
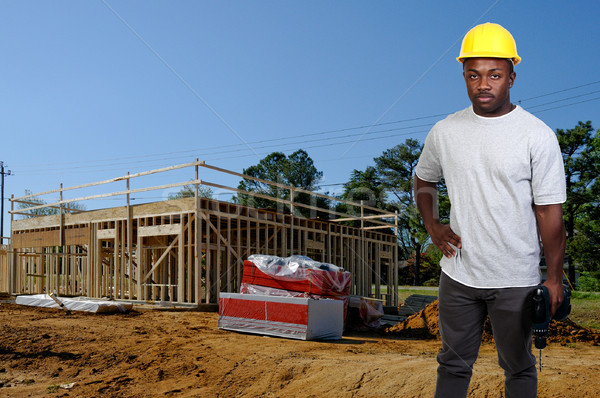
{"x":586,"y":295}
{"x":52,"y":389}
{"x":585,"y":309}
{"x":403,"y":293}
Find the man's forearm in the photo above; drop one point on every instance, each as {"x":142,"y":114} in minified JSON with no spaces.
{"x":427,"y":202}
{"x":426,"y":198}
{"x":552,"y":233}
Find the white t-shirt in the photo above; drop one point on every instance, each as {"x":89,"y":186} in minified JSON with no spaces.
{"x":495,"y":169}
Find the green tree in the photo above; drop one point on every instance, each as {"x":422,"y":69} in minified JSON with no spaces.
{"x":588,"y":282}
{"x":429,"y":269}
{"x":396,"y":167}
{"x":187,"y":191}
{"x":44,"y":211}
{"x":580,"y":147}
{"x":364,"y":186}
{"x":297,"y":170}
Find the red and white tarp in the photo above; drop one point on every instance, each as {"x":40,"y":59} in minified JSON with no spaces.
{"x":292,"y":317}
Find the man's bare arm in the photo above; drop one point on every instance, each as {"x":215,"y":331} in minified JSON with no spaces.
{"x":427,"y":203}
{"x":552,"y":232}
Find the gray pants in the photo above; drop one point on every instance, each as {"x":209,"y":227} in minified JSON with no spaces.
{"x":462,"y":314}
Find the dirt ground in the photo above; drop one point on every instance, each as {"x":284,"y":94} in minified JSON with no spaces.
{"x":151,"y":353}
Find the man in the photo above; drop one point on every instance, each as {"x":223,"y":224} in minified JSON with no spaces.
{"x":505,"y":178}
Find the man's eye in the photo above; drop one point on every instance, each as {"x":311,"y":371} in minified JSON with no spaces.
{"x":495,"y":76}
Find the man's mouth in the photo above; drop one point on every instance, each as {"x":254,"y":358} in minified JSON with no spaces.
{"x":485,"y":97}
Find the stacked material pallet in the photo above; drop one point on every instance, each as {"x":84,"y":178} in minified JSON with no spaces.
{"x":293,"y":297}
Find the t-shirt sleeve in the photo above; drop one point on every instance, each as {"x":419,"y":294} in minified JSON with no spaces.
{"x":429,"y":167}
{"x":547,"y":171}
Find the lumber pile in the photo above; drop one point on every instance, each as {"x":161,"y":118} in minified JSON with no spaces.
{"x":301,"y":318}
{"x":292,"y":297}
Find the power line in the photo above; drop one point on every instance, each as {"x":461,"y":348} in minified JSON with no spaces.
{"x":280,"y":141}
{"x":565,"y":99}
{"x":566,"y":105}
{"x":559,"y":91}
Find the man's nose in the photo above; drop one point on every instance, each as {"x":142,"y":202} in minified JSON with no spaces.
{"x":484,"y":84}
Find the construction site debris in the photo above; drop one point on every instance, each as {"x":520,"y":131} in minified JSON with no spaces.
{"x":73,"y":304}
{"x":364,"y":312}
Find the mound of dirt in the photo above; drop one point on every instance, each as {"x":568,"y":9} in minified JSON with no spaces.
{"x":421,"y":325}
{"x":567,"y":331}
{"x":424,"y":325}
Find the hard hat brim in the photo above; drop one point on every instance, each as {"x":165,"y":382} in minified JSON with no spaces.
{"x":515,"y":59}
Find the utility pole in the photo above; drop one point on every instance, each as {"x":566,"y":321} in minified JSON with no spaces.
{"x":3,"y":173}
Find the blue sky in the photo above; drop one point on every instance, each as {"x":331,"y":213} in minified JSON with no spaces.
{"x":91,"y":90}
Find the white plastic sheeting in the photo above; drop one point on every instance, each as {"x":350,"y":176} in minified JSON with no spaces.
{"x":296,"y":273}
{"x":74,"y":304}
{"x":289,"y":266}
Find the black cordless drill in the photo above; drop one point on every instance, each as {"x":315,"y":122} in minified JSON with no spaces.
{"x":541,"y":314}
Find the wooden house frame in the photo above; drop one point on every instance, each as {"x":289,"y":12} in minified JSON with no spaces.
{"x":186,"y":251}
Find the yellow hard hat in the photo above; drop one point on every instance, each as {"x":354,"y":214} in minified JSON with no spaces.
{"x":489,"y":40}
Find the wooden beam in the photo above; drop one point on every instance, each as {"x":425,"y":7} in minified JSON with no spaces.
{"x":160,"y":230}
{"x":180,"y":264}
{"x":106,"y":233}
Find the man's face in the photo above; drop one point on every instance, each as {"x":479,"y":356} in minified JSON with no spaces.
{"x":488,"y":84}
